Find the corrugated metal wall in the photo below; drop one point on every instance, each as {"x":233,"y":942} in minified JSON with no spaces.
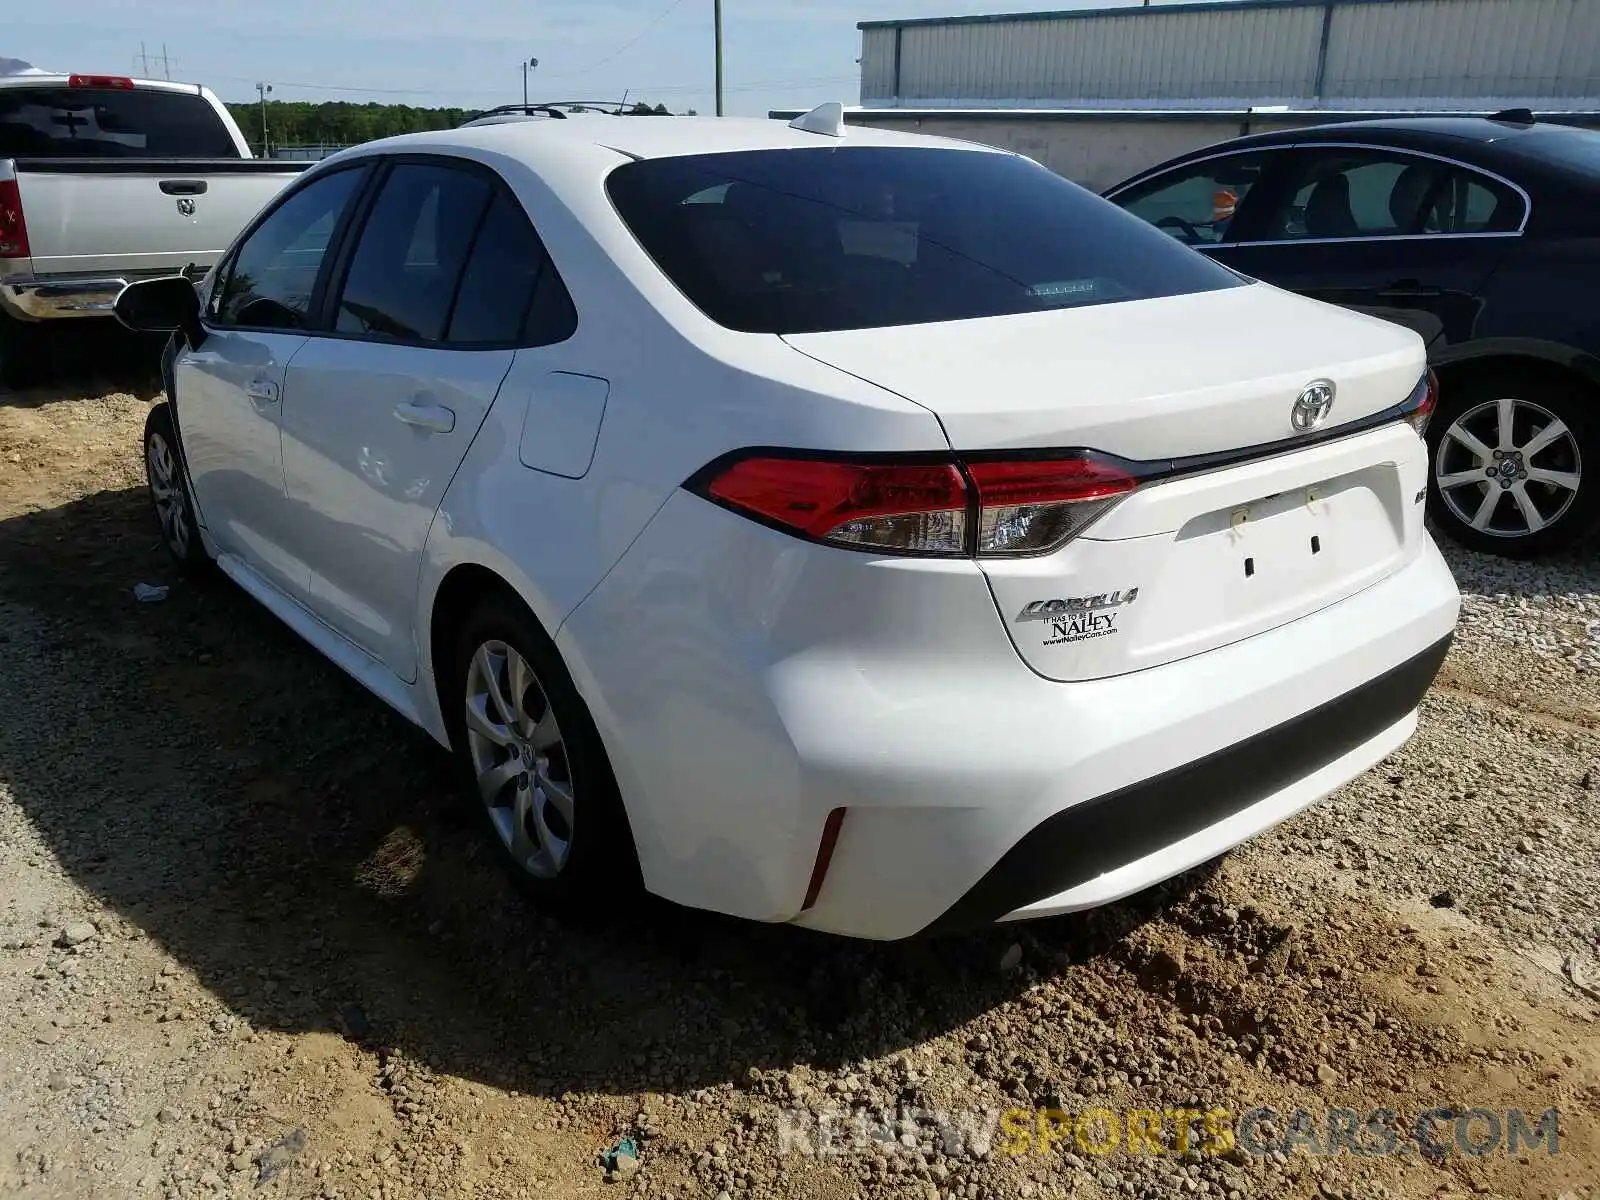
{"x":1257,"y":52}
{"x":1421,"y":49}
{"x":877,"y":64}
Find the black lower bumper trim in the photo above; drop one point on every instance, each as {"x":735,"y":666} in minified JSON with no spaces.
{"x":1087,"y":840}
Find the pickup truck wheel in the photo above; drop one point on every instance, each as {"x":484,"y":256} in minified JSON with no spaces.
{"x":169,"y":491}
{"x":22,"y":353}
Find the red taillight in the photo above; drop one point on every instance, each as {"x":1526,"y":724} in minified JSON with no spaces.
{"x":100,"y":81}
{"x":1027,"y":507}
{"x":13,"y":229}
{"x":1023,"y":507}
{"x":911,"y":509}
{"x":1418,"y":417}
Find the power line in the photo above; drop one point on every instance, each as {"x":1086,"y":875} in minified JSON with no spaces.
{"x":366,"y":91}
{"x":627,"y":45}
{"x":764,"y":86}
{"x":667,"y":89}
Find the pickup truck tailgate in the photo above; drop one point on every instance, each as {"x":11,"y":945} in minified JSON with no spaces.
{"x":128,"y":216}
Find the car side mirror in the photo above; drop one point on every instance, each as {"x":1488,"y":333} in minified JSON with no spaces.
{"x":165,"y":305}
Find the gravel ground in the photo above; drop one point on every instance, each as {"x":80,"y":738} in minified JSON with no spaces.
{"x":249,"y":944}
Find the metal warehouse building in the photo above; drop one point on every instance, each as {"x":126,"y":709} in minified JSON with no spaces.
{"x":1099,"y":94}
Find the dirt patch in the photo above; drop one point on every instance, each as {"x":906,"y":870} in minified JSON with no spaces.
{"x":253,"y":946}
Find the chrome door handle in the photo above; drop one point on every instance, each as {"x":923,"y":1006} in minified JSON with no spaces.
{"x":435,"y":418}
{"x":263,"y":390}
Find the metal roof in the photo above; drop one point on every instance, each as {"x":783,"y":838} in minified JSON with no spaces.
{"x":1576,"y":116}
{"x":1401,"y":54}
{"x":1146,"y":11}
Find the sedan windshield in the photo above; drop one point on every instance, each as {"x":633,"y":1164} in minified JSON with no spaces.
{"x":805,"y":241}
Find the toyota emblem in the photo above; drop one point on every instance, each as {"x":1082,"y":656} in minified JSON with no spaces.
{"x":1313,"y":406}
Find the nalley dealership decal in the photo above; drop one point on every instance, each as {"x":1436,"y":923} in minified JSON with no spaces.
{"x":1079,"y":618}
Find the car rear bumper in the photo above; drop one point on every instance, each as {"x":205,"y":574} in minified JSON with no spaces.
{"x":1157,"y":771}
{"x":1122,"y":842}
{"x":747,"y":685}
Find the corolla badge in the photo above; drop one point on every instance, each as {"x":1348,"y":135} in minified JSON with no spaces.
{"x":186,"y":206}
{"x":1079,"y":618}
{"x":1055,"y":610}
{"x":1313,"y":406}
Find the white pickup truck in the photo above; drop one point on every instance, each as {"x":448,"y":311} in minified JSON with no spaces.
{"x":105,"y":180}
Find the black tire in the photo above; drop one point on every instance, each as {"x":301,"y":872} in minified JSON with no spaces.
{"x":24,"y":356}
{"x":601,"y":867}
{"x":170,"y":498}
{"x":1571,"y":515}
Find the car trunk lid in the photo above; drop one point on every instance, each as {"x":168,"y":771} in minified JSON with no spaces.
{"x":1244,"y":522}
{"x":1148,"y":379}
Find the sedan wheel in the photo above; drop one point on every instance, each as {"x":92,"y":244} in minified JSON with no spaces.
{"x":1508,"y":471}
{"x":520,"y":759}
{"x":530,"y":755}
{"x":169,"y":492}
{"x":166,"y":489}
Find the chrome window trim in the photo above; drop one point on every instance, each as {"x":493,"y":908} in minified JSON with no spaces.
{"x":1156,"y":173}
{"x":1239,"y":152}
{"x":1375,"y":237}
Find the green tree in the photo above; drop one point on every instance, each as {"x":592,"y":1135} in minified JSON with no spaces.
{"x":341,"y":123}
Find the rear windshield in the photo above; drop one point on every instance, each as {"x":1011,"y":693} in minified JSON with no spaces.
{"x":61,"y":122}
{"x":803,"y":241}
{"x":1562,"y":146}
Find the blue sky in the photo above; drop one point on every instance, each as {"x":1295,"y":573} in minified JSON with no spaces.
{"x":466,"y":52}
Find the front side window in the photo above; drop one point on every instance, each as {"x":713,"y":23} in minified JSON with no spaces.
{"x":1197,"y":203}
{"x":1341,"y":194}
{"x":796,"y":241}
{"x":415,"y":241}
{"x":270,"y":281}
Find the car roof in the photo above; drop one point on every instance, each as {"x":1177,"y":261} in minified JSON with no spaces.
{"x":1399,"y":130}
{"x":641,"y":137}
{"x":44,"y":79}
{"x":1481,"y":141}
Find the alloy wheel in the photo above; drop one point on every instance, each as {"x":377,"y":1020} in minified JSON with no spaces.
{"x":520,"y":759}
{"x":1508,"y":468}
{"x":166,"y":488}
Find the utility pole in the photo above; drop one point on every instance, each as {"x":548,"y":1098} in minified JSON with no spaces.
{"x":718,"y":19}
{"x":145,"y":59}
{"x":530,"y":65}
{"x":263,"y":90}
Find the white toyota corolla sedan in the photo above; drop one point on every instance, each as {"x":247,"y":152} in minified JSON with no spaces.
{"x":820,"y":525}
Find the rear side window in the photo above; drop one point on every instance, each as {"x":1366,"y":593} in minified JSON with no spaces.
{"x":796,"y":241}
{"x":1377,"y":193}
{"x":1467,"y":202}
{"x":510,"y":292}
{"x":63,"y":122}
{"x":412,"y":249}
